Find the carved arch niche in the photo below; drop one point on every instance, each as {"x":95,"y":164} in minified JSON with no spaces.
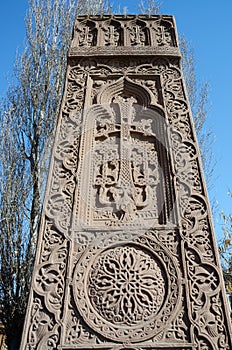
{"x":85,"y":34}
{"x":163,"y":34}
{"x":124,"y":176}
{"x":138,"y":33}
{"x":112,"y":33}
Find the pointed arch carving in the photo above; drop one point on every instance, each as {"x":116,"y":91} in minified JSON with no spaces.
{"x":112,"y":33}
{"x":125,"y":86}
{"x":123,"y":173}
{"x":138,"y":33}
{"x":86,"y":33}
{"x":165,"y":34}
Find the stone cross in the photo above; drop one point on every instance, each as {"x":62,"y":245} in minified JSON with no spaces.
{"x":126,"y":255}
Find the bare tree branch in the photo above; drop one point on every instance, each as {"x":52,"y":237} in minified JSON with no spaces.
{"x":198,"y":99}
{"x":149,"y":7}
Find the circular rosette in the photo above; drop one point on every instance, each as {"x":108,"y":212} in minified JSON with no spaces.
{"x":126,"y":292}
{"x":126,"y":285}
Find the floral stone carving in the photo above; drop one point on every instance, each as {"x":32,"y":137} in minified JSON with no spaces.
{"x":126,"y":255}
{"x":127,"y":290}
{"x":126,"y":286}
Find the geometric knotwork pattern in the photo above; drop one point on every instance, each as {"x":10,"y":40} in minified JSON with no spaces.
{"x":127,"y":291}
{"x":126,"y":285}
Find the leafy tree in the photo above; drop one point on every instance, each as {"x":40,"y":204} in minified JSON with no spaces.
{"x":28,"y":117}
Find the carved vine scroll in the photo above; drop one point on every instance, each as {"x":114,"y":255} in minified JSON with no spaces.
{"x":126,"y":255}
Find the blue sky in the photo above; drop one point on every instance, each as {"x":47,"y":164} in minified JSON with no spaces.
{"x":207,"y":25}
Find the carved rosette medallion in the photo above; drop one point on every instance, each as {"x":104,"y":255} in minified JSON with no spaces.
{"x":118,"y":290}
{"x":127,"y":293}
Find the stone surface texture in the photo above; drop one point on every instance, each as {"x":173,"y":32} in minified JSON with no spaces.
{"x":126,"y":256}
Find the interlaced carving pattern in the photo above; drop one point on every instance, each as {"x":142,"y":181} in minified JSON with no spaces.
{"x":127,"y":286}
{"x":192,"y":208}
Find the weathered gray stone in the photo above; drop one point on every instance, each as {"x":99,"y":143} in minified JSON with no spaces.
{"x":126,"y":257}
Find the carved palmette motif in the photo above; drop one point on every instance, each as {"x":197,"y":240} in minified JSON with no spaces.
{"x":124,"y":31}
{"x":126,"y":255}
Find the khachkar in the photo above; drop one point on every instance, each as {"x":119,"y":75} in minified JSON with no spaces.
{"x":126,"y":257}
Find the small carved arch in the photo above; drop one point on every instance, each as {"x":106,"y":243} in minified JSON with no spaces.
{"x":126,"y":87}
{"x":165,"y":34}
{"x":86,"y":33}
{"x":113,"y":33}
{"x":138,"y":33}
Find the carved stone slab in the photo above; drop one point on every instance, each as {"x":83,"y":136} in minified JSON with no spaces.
{"x":126,"y":256}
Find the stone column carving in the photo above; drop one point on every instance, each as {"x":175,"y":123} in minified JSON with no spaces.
{"x":126,"y":256}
